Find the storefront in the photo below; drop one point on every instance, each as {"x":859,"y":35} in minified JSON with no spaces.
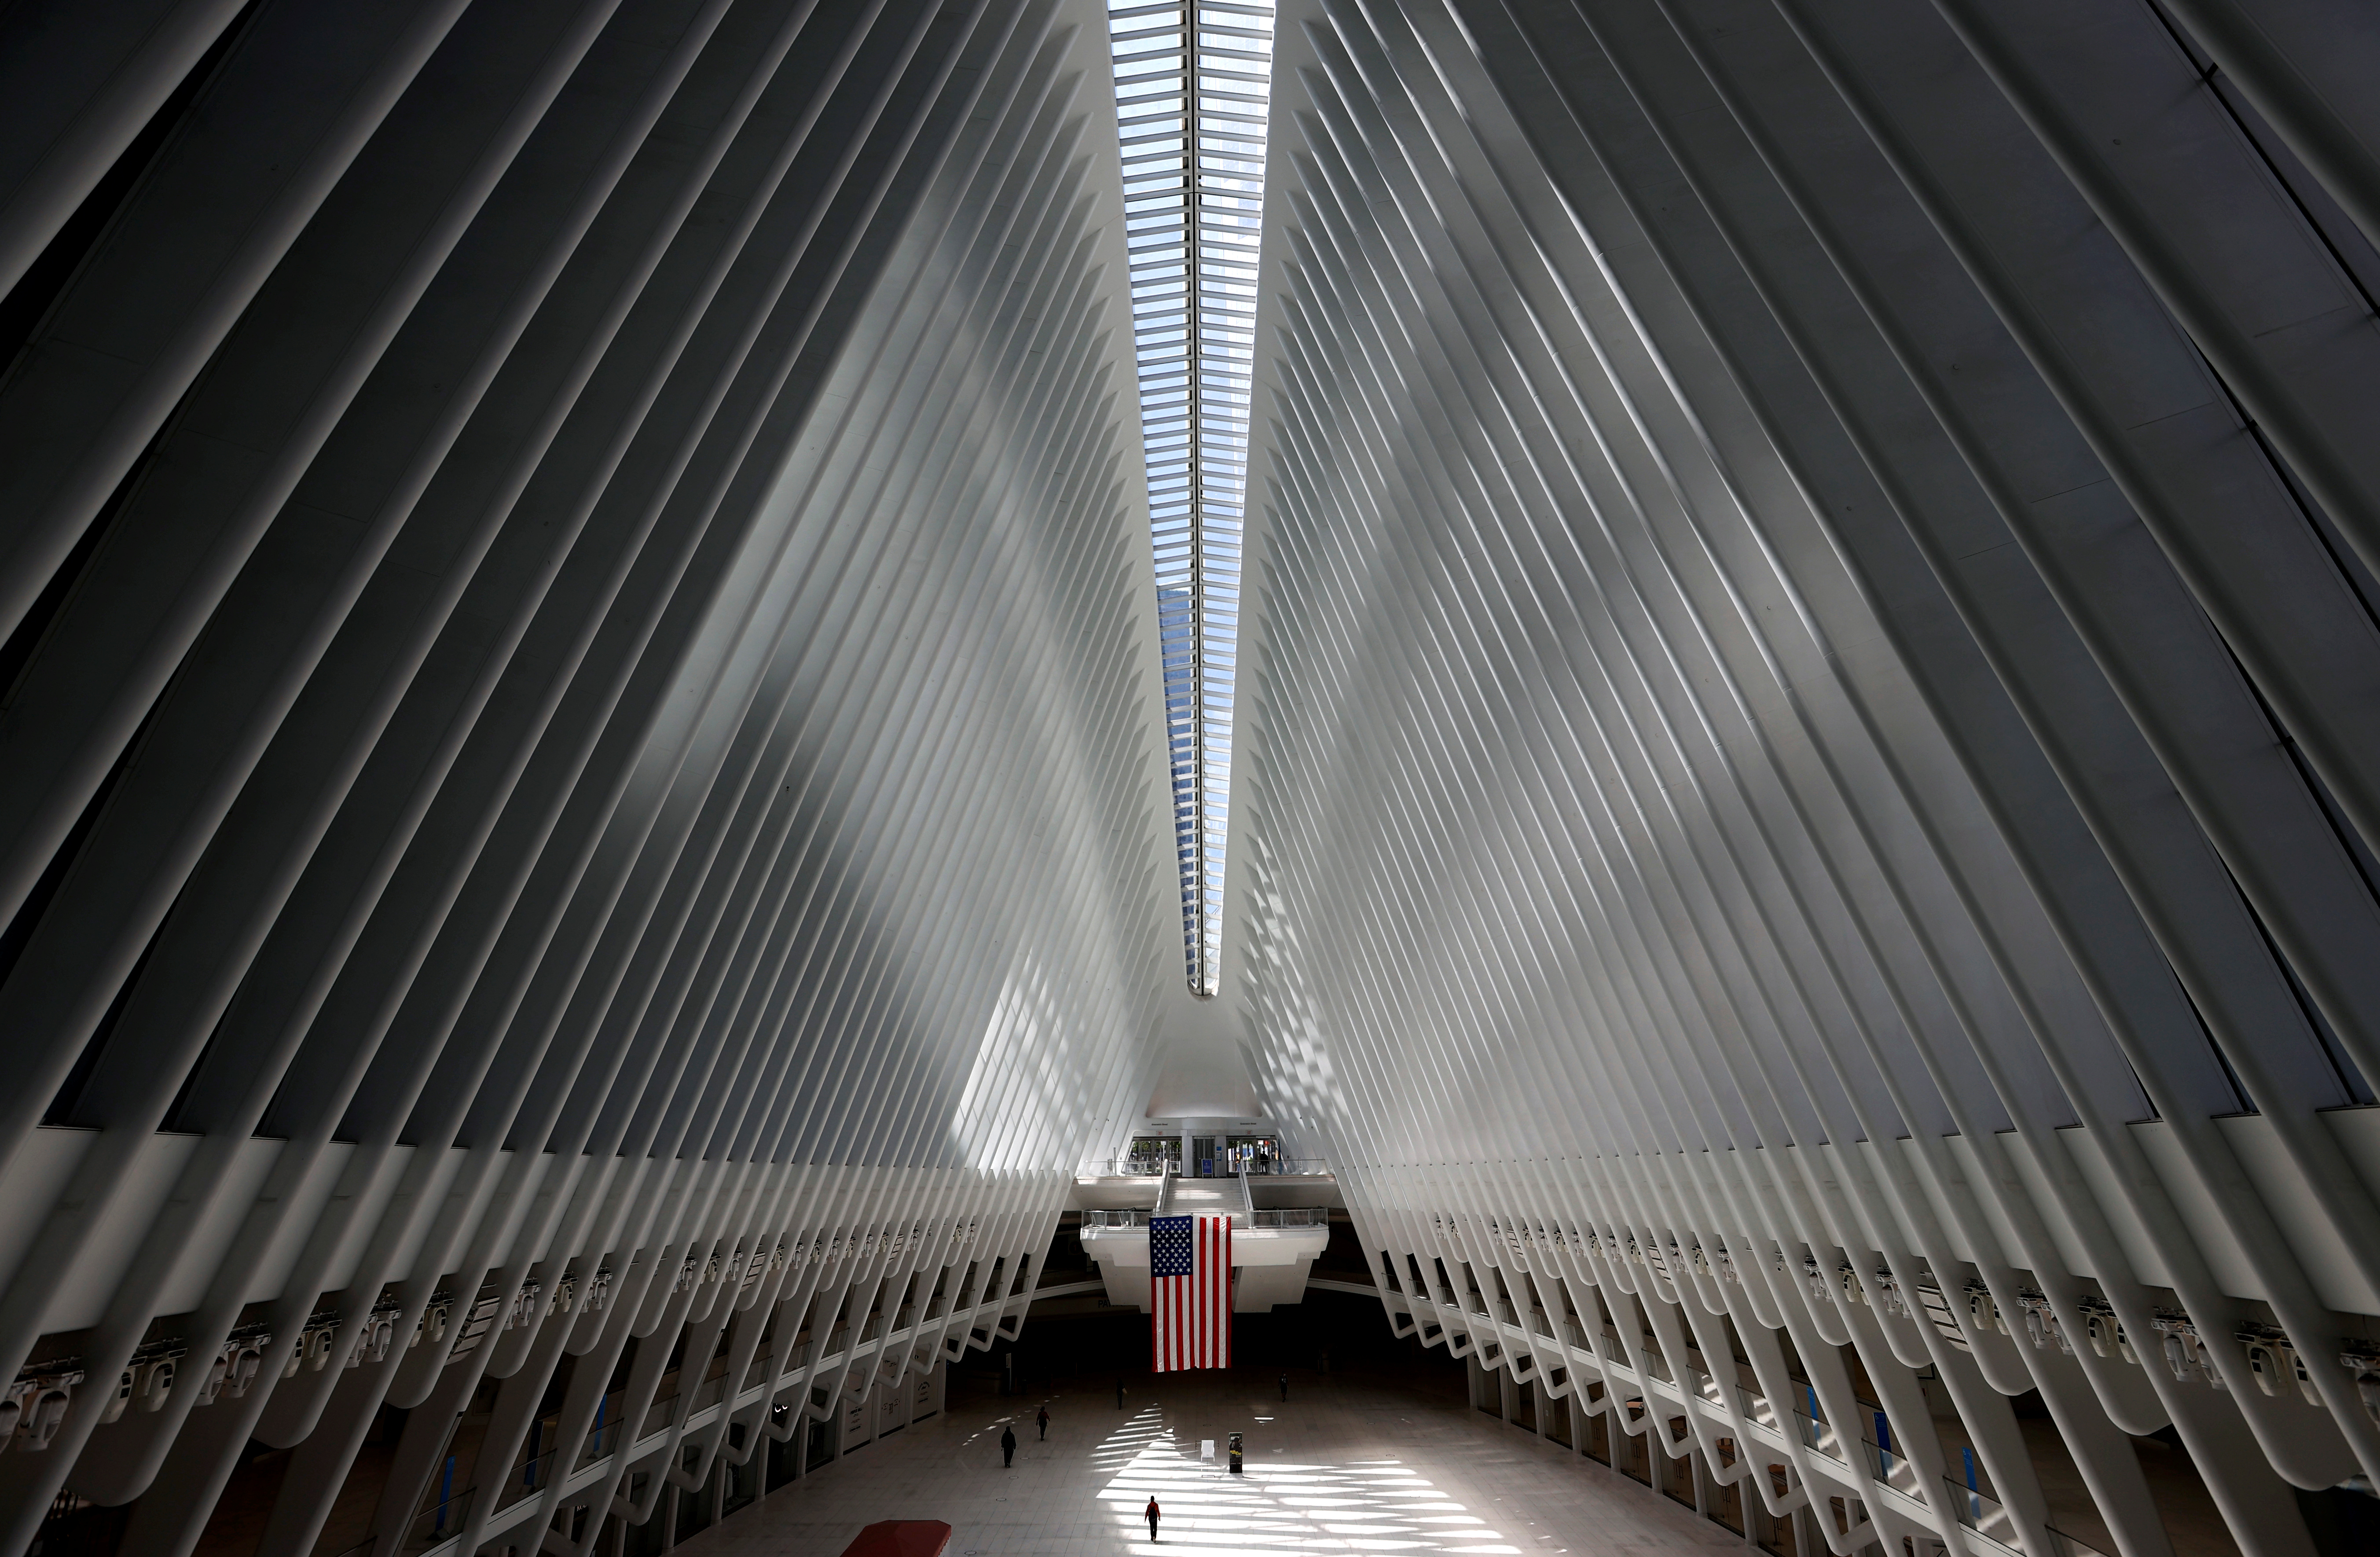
{"x":1250,"y":1154}
{"x":1151,"y":1155}
{"x":1210,"y":1148}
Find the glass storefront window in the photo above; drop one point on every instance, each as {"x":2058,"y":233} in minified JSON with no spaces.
{"x":1250,"y":1154}
{"x":1151,"y":1155}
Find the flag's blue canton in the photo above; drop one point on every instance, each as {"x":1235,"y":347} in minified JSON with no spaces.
{"x":1168,"y":1246}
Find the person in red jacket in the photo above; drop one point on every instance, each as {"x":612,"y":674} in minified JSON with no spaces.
{"x":1151,"y":1512}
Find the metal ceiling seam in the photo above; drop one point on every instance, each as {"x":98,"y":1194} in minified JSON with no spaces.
{"x":485,"y":687}
{"x":1968,"y":748}
{"x":2160,"y":210}
{"x":758,"y":78}
{"x":1119,"y":753}
{"x":2130,"y":473}
{"x":1423,"y":830}
{"x":1739,"y":862}
{"x":594,"y":626}
{"x":1612,"y":810}
{"x":129,"y":701}
{"x":2295,"y":79}
{"x":2343,"y":1212}
{"x":617,"y":790}
{"x":126,"y":89}
{"x":67,"y":794}
{"x":63,"y":514}
{"x":2202,"y":1298}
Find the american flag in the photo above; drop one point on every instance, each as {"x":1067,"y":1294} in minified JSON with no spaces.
{"x":1190,"y":1273}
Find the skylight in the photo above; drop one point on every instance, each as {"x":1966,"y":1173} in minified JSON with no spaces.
{"x":1194,"y":213}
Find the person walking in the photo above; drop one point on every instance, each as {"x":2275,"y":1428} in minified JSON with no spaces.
{"x":1007,"y":1447}
{"x":1119,"y":1394}
{"x":1150,"y":1515}
{"x":1285,"y":1387}
{"x":1042,"y":1417}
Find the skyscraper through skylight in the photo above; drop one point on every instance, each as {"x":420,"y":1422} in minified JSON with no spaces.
{"x":1193,"y":85}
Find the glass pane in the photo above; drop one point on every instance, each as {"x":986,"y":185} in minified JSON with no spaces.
{"x":1193,"y":201}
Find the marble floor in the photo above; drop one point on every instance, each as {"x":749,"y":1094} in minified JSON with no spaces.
{"x":1350,"y":1464}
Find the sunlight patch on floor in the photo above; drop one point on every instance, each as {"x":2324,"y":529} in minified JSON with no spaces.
{"x":1364,"y":1505}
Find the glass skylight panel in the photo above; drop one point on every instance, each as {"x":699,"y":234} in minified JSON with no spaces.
{"x":1192,"y":89}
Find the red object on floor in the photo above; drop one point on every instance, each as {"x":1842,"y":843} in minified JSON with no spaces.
{"x":901,"y":1537}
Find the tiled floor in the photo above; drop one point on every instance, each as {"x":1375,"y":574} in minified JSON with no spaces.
{"x":1350,"y":1465}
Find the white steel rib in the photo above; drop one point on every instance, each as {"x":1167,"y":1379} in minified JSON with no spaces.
{"x":1765,"y":644}
{"x":1803,"y":781}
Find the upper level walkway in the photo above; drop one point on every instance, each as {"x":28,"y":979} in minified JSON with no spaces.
{"x":1280,"y":1222}
{"x":1097,"y":1190}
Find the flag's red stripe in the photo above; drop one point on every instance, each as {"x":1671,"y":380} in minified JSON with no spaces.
{"x":1197,"y":1292}
{"x":1190,"y":1317}
{"x":1216,"y":1289}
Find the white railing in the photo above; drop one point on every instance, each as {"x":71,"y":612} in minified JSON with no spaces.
{"x":1128,"y":1167}
{"x":1156,"y":1167}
